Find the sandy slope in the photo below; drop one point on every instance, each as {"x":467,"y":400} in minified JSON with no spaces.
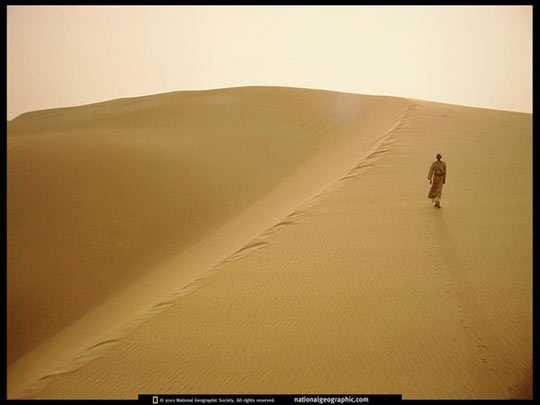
{"x":345,"y":278}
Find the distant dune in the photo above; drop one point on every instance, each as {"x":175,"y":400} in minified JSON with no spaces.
{"x":268,"y":239}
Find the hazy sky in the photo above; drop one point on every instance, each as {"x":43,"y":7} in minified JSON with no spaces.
{"x":61,"y":56}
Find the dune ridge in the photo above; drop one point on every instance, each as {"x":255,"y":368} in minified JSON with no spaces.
{"x":252,"y":220}
{"x":260,"y":241}
{"x":343,"y":267}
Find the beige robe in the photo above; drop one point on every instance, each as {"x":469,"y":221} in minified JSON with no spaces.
{"x":437,"y":175}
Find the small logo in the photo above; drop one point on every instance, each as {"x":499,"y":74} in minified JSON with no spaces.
{"x":155,"y":400}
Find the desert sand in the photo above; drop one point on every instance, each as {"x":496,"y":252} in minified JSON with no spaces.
{"x":268,"y":240}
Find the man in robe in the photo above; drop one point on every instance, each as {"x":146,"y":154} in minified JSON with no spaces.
{"x":437,"y":177}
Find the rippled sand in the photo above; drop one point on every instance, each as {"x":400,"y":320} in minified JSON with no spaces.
{"x":269,"y":240}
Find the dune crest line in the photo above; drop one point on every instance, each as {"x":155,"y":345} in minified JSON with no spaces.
{"x":377,"y":151}
{"x":162,"y":198}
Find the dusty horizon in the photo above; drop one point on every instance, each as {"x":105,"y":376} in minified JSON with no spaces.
{"x":62,"y":56}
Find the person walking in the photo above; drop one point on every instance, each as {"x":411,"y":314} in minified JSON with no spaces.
{"x":437,"y":177}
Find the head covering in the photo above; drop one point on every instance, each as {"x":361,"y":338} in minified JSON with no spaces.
{"x":438,"y":156}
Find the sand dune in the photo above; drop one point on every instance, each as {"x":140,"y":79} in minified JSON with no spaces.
{"x":267,"y":239}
